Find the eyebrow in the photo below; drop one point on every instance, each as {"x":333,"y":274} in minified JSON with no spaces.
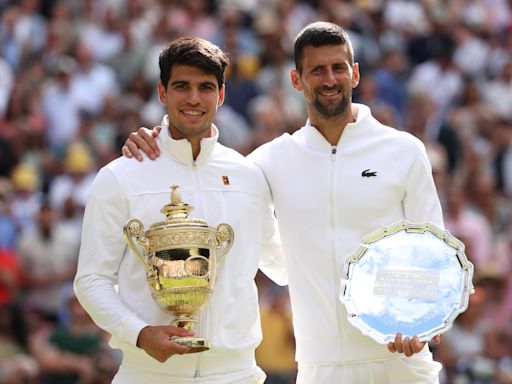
{"x":184,"y":82}
{"x":335,"y":64}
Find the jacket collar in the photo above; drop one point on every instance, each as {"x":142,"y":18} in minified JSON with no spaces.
{"x":181,"y":150}
{"x":314,"y":139}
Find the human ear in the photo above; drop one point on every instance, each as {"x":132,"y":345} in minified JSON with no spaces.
{"x":162,"y":93}
{"x":296,"y":81}
{"x":355,"y":75}
{"x":222,"y":93}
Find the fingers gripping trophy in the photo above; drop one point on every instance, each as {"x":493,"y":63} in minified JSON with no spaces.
{"x":181,"y":256}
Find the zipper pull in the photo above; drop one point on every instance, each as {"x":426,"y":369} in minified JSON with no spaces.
{"x":333,"y":150}
{"x":197,"y":375}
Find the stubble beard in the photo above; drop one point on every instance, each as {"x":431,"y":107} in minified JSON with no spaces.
{"x":332,"y":110}
{"x":187,"y":130}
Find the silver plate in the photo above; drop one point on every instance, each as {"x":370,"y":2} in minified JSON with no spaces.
{"x":409,"y":278}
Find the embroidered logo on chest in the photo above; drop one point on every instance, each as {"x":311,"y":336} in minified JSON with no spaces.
{"x":369,"y":173}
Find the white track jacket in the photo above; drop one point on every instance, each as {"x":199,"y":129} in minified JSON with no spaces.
{"x":326,"y":198}
{"x":223,"y":187}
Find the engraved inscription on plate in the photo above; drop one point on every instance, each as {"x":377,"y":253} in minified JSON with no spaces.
{"x":409,"y":284}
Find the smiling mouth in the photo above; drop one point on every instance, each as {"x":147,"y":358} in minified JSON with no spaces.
{"x":329,"y":93}
{"x":192,"y":113}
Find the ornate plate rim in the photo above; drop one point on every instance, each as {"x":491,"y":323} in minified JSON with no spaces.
{"x":416,"y":228}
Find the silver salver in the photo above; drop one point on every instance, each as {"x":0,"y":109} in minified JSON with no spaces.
{"x":409,"y":278}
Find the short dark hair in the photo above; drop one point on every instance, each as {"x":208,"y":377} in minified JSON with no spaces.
{"x":195,"y":52}
{"x":319,"y":34}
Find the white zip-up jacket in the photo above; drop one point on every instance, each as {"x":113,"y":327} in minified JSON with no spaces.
{"x":326,"y":199}
{"x":223,"y":187}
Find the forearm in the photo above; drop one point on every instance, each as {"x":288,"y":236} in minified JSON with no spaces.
{"x":100,"y":299}
{"x":272,"y":259}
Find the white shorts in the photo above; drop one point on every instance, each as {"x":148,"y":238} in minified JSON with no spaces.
{"x":388,"y":371}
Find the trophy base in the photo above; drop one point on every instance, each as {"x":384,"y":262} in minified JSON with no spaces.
{"x":195,"y":344}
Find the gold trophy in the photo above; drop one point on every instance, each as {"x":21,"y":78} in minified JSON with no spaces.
{"x":181,"y":256}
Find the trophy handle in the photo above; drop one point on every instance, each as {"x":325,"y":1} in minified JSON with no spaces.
{"x":135,"y":228}
{"x":225,"y":238}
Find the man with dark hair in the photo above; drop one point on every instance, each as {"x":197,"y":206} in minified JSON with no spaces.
{"x":223,"y":187}
{"x":339,"y":142}
{"x":338,"y":178}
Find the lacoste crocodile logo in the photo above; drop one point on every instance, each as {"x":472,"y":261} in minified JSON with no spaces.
{"x":369,"y":173}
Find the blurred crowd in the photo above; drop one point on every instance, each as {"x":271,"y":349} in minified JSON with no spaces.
{"x":77,"y":76}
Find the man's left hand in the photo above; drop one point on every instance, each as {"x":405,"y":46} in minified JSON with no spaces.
{"x":409,"y":345}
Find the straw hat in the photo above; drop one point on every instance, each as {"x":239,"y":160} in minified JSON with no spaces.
{"x":78,"y":159}
{"x":24,"y":177}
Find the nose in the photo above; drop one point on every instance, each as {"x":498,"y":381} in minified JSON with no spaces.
{"x":194,"y":96}
{"x":329,"y":78}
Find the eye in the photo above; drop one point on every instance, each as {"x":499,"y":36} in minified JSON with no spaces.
{"x":180,"y":86}
{"x":207,"y":87}
{"x":339,"y":68}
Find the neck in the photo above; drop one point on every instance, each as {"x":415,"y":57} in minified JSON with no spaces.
{"x":195,"y":142}
{"x":332,"y":128}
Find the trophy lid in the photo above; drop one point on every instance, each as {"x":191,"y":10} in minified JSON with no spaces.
{"x":177,"y":211}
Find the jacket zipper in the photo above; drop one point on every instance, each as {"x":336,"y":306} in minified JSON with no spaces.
{"x":336,"y":267}
{"x":197,"y":373}
{"x":202,"y":316}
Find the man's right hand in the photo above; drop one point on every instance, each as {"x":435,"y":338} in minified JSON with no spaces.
{"x":157,"y":341}
{"x":142,"y":140}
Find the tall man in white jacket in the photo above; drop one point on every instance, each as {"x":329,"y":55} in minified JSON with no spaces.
{"x":336,"y":179}
{"x":223,"y":187}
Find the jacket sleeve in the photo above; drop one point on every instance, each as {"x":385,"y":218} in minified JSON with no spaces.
{"x":421,"y":202}
{"x":272,"y":260}
{"x":101,"y":252}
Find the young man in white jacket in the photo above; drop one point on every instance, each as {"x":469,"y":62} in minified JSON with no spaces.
{"x":336,"y":179}
{"x":223,"y":187}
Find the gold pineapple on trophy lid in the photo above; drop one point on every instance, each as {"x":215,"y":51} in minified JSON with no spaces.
{"x":181,"y":256}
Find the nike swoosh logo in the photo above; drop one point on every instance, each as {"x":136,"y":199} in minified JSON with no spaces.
{"x":369,"y":173}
